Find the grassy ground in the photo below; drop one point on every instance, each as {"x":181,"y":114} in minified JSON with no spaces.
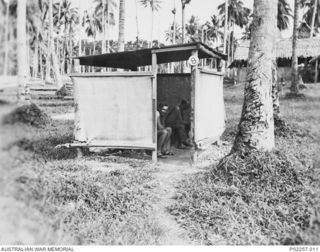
{"x":49,"y":197}
{"x":277,"y":204}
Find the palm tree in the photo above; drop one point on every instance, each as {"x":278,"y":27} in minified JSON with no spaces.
{"x":295,"y":75}
{"x":173,"y":34}
{"x":256,"y":126}
{"x":237,"y":15}
{"x":184,"y":3}
{"x":69,"y":18}
{"x":154,"y":6}
{"x":121,"y":25}
{"x":92,"y":26}
{"x":284,"y":14}
{"x":104,"y":9}
{"x":214,"y":33}
{"x":193,"y":29}
{"x":312,"y":15}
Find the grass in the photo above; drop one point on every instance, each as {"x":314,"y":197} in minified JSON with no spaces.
{"x":261,"y":199}
{"x":47,"y":196}
{"x":57,"y":199}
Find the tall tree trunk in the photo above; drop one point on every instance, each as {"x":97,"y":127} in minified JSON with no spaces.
{"x":152,"y":27}
{"x":6,"y":41}
{"x":137,"y":22}
{"x":36,"y":56}
{"x":256,"y":126}
{"x":40,"y":63}
{"x":53,"y":55}
{"x":275,"y":94}
{"x":22,"y":48}
{"x":70,"y":50}
{"x":313,"y":17}
{"x":183,"y":23}
{"x":225,"y":34}
{"x":48,"y":59}
{"x":103,"y":45}
{"x":121,"y":25}
{"x":295,"y":74}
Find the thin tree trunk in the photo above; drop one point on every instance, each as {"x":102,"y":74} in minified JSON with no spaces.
{"x":121,"y":25}
{"x":225,"y":35}
{"x":275,"y":94}
{"x":40,"y":63}
{"x":6,"y":41}
{"x":21,"y":48}
{"x":36,"y":56}
{"x":137,"y":23}
{"x":103,"y":45}
{"x":256,"y":126}
{"x":108,"y":28}
{"x":53,"y":56}
{"x":152,"y":26}
{"x":183,"y":24}
{"x":295,"y":74}
{"x":313,"y":17}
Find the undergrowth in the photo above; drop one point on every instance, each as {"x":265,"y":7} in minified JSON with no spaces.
{"x":29,"y":114}
{"x":254,"y":199}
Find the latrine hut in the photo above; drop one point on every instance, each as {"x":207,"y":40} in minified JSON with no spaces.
{"x":118,"y":109}
{"x":307,"y":49}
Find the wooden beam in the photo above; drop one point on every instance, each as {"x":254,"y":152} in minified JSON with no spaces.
{"x":175,"y":49}
{"x":194,"y":79}
{"x":113,"y":74}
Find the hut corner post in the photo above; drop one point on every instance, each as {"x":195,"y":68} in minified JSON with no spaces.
{"x":194,"y":73}
{"x":154,"y":103}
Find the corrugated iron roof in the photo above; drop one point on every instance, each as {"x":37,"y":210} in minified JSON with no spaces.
{"x":143,"y":57}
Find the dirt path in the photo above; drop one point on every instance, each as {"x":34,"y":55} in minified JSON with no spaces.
{"x":168,"y":175}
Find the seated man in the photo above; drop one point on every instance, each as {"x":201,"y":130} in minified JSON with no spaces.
{"x":175,"y":119}
{"x":164,"y":133}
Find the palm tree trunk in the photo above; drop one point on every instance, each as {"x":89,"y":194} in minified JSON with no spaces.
{"x":275,"y":94}
{"x":21,"y":48}
{"x":256,"y":126}
{"x":295,"y":75}
{"x":313,"y":17}
{"x":183,"y":24}
{"x":121,"y":25}
{"x":53,"y":55}
{"x":48,"y":59}
{"x":6,"y":41}
{"x":36,"y":56}
{"x":137,"y":23}
{"x":103,"y":50}
{"x":225,"y":34}
{"x":152,"y":26}
{"x":40,"y":63}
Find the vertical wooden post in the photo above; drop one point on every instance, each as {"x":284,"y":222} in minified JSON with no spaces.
{"x":194,"y":79}
{"x":154,"y":104}
{"x":316,"y":73}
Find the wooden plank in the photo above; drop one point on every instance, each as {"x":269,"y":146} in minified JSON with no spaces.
{"x":175,"y":49}
{"x":194,"y":79}
{"x":207,"y":71}
{"x":106,"y":145}
{"x":154,"y":103}
{"x":113,"y":74}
